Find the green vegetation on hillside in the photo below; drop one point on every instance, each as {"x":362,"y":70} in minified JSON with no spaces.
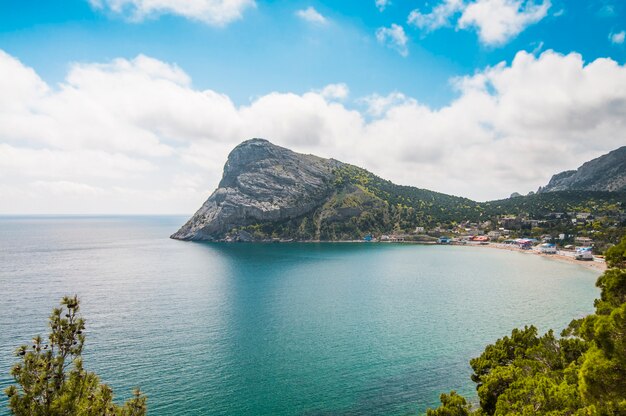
{"x":363,"y":204}
{"x":581,"y":373}
{"x":427,"y":206}
{"x":538,"y":205}
{"x":50,"y":378}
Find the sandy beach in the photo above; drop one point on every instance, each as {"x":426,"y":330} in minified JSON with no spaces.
{"x":561,"y":255}
{"x":567,"y":256}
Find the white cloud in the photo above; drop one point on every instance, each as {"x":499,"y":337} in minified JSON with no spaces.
{"x":18,"y":81}
{"x":211,"y":12}
{"x":378,"y":105}
{"x":496,"y":21}
{"x":394,"y":37}
{"x":54,"y":163}
{"x":439,"y":16}
{"x":162,"y":106}
{"x":311,"y":15}
{"x":618,"y":38}
{"x":135,"y":136}
{"x":381,"y":5}
{"x":335,"y":91}
{"x":67,"y":188}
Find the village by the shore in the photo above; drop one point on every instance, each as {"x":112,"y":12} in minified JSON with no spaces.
{"x":569,"y":241}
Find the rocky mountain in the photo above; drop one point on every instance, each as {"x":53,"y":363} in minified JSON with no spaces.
{"x":268,"y":192}
{"x":261,"y":183}
{"x":605,"y":173}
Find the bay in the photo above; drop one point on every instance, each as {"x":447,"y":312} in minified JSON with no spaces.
{"x":274,"y":329}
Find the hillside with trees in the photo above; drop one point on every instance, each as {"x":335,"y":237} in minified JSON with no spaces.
{"x":269,"y":193}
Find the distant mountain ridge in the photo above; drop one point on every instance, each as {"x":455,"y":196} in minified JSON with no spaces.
{"x":268,"y":192}
{"x":605,"y":173}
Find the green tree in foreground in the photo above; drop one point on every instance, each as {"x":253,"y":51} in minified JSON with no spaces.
{"x":581,"y":373}
{"x":452,"y":405}
{"x":616,"y":255}
{"x":51,"y":379}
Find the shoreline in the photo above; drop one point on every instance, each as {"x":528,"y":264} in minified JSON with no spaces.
{"x":596,"y":265}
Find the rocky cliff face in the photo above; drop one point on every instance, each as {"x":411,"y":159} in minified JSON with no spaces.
{"x":606,"y":173}
{"x":261,"y":183}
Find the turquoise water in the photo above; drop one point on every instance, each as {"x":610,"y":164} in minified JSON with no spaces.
{"x":274,"y":329}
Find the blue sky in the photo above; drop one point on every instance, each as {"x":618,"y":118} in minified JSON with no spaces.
{"x":269,"y":49}
{"x":445,"y":83}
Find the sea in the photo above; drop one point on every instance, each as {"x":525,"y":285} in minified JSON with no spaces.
{"x":273,"y":329}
